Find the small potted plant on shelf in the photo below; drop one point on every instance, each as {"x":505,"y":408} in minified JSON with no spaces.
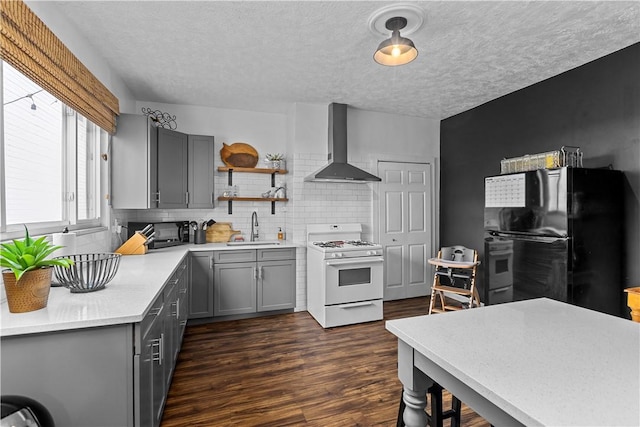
{"x":276,"y":160}
{"x":27,"y":272}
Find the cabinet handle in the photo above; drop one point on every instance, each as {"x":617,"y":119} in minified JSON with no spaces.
{"x":161,"y":348}
{"x":255,"y":273}
{"x":177,"y":309}
{"x":211,"y":263}
{"x":156,"y":356}
{"x":158,"y":198}
{"x":260,"y":272}
{"x":186,"y":198}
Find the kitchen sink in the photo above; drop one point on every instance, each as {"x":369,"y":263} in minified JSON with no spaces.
{"x":261,"y":243}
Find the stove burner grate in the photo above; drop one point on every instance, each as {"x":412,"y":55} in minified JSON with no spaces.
{"x":359,"y":243}
{"x":330,"y":244}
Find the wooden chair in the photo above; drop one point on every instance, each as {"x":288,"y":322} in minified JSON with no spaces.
{"x":455,"y":274}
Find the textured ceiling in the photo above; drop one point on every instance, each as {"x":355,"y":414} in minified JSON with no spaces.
{"x":266,"y":55}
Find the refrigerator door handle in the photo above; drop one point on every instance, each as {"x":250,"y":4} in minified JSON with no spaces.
{"x":530,"y":238}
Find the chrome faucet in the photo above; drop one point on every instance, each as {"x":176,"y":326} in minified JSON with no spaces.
{"x":254,"y":227}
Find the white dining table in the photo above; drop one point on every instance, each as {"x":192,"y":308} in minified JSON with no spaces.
{"x":537,"y":362}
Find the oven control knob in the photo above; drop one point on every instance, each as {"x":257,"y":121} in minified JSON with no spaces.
{"x":336,"y":255}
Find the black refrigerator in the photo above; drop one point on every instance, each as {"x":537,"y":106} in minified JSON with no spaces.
{"x":555,"y":233}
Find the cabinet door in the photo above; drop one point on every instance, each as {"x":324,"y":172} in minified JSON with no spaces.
{"x":170,"y":342}
{"x":157,"y":372}
{"x":150,"y":387}
{"x":172,"y":169}
{"x":134,"y":163}
{"x":276,"y":285}
{"x":182,"y":304}
{"x":201,"y":173}
{"x":234,"y":288}
{"x":201,"y":285}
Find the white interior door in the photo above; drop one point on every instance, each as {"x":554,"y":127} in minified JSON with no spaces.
{"x":405,"y":221}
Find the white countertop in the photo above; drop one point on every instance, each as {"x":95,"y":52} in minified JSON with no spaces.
{"x":125,"y":299}
{"x":542,"y":361}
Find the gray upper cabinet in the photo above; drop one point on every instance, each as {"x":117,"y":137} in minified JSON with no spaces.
{"x":159,"y":168}
{"x":201,"y":172}
{"x":134,"y":161}
{"x":173,"y":165}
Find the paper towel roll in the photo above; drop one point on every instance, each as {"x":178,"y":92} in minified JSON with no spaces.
{"x":67,"y":240}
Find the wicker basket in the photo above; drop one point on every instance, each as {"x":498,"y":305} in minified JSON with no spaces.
{"x":30,"y":293}
{"x":90,"y":272}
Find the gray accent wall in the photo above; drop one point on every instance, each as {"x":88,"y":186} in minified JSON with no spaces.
{"x":595,"y":107}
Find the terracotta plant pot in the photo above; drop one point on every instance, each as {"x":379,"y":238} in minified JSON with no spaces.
{"x":30,"y":293}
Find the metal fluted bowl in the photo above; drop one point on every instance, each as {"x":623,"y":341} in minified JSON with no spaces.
{"x":90,"y":272}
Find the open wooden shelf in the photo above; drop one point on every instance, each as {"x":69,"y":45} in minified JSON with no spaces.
{"x":271,"y":172}
{"x":254,"y":199}
{"x":251,"y":170}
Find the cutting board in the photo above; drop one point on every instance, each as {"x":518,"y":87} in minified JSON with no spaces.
{"x":220,"y":232}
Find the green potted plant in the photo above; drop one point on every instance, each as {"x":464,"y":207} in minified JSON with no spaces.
{"x":276,"y":160}
{"x":27,"y":272}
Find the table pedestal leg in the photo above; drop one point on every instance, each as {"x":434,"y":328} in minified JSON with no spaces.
{"x":415,"y":403}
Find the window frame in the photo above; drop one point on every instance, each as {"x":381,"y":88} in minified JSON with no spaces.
{"x":69,"y":171}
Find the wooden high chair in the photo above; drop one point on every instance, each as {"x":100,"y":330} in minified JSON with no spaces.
{"x":455,"y":274}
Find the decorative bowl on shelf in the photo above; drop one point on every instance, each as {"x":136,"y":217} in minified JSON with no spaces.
{"x":239,"y":154}
{"x":90,"y":272}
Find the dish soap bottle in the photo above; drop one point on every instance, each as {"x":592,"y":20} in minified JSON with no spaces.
{"x":280,"y":234}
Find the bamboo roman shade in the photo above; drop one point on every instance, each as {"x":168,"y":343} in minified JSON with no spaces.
{"x":30,"y":47}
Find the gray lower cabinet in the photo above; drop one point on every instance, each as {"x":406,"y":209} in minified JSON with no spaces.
{"x":149,"y":382}
{"x":234,"y":288}
{"x":116,"y":375}
{"x":276,"y":285}
{"x":158,"y":340}
{"x":251,"y":281}
{"x":84,"y":377}
{"x":201,"y":285}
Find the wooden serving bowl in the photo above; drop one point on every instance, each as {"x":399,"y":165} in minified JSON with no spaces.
{"x":239,"y":155}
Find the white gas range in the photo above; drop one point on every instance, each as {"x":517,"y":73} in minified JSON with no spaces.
{"x":344,"y":275}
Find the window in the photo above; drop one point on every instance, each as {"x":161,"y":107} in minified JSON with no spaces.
{"x":50,"y":175}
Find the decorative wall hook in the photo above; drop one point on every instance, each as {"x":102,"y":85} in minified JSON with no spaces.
{"x":163,"y":120}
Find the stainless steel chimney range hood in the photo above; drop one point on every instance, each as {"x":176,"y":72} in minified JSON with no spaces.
{"x":338,"y":170}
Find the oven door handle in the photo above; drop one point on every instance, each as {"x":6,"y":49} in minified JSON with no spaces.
{"x":352,"y":261}
{"x":356,"y":304}
{"x":501,"y":252}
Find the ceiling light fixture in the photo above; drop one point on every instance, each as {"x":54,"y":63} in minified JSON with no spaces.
{"x":396,"y":50}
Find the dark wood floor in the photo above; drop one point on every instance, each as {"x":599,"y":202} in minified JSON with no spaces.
{"x":286,"y":370}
